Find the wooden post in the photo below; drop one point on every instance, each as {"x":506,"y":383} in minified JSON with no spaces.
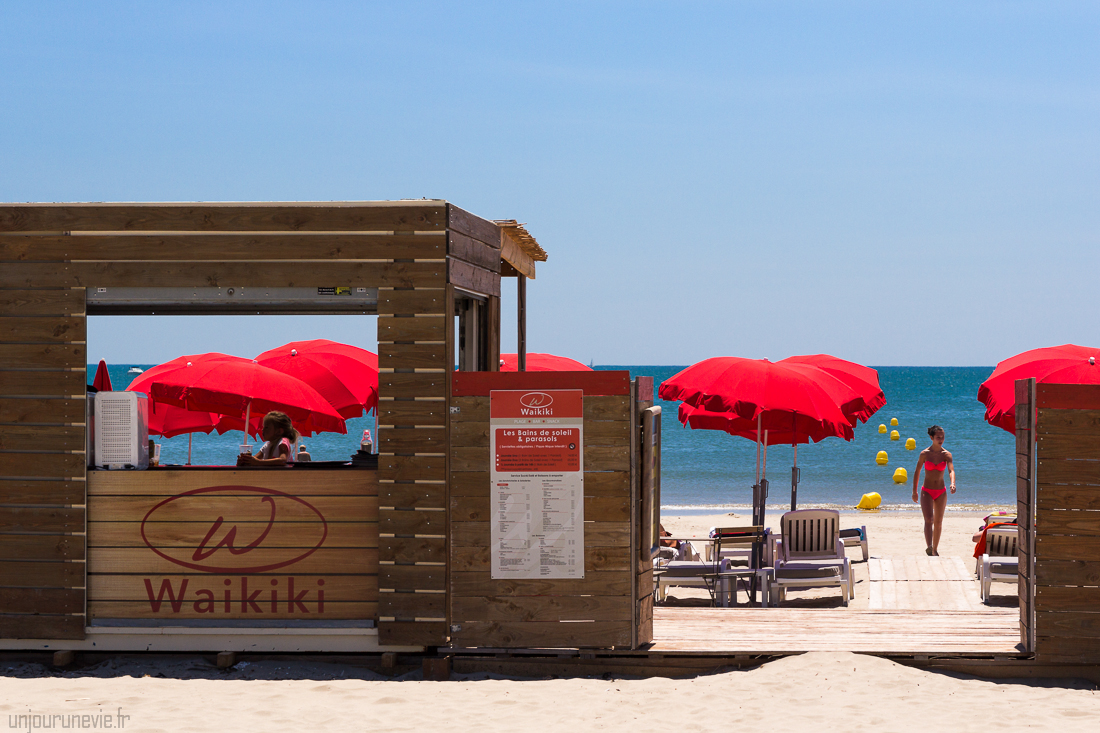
{"x":521,"y":325}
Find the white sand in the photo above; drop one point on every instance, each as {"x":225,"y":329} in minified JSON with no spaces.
{"x":819,"y":691}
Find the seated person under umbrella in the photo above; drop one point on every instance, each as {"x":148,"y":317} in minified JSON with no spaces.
{"x":279,"y":435}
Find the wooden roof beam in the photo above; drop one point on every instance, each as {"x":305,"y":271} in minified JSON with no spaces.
{"x":512,"y":254}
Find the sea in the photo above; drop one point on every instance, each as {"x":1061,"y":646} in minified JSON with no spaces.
{"x":707,"y":471}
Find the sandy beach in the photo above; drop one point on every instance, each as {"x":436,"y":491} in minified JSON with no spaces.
{"x":834,"y":691}
{"x":842,"y":690}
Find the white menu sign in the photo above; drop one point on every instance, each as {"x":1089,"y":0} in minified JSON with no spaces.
{"x":537,"y":477}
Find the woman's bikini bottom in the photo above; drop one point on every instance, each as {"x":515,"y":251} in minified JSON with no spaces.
{"x":934,"y":494}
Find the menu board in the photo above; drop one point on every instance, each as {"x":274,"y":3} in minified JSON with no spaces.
{"x":537,"y":476}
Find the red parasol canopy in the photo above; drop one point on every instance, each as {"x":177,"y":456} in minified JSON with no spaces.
{"x":345,"y":375}
{"x":229,"y":385}
{"x":102,"y":381}
{"x":1066,"y":364}
{"x":863,"y":380}
{"x":542,"y":363}
{"x":793,"y":397}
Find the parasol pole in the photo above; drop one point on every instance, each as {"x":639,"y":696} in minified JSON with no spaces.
{"x":189,"y":437}
{"x":247,"y":416}
{"x":794,"y":468}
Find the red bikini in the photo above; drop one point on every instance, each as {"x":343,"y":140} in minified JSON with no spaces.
{"x":934,"y":493}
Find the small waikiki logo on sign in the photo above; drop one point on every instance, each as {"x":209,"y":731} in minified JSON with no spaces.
{"x":246,"y":520}
{"x":536,"y":400}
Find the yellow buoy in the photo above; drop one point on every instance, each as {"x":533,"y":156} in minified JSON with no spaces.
{"x":869,"y":501}
{"x":895,"y":435}
{"x":882,"y":428}
{"x":882,"y":459}
{"x":910,"y":444}
{"x":893,"y":421}
{"x":900,"y":475}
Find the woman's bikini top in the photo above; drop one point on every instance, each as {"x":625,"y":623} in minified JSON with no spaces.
{"x":929,"y":466}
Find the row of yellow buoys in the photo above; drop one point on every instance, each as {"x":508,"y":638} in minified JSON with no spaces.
{"x":873,"y":499}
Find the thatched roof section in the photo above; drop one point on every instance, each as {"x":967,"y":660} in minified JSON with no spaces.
{"x":523,"y":238}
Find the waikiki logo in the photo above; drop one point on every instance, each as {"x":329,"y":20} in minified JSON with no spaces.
{"x":245,"y":531}
{"x":536,"y":403}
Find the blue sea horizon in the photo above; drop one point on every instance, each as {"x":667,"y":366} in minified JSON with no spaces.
{"x":709,"y":471}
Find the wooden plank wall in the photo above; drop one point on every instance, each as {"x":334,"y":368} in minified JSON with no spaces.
{"x":597,"y":610}
{"x":42,"y":403}
{"x":416,"y":354}
{"x":1025,"y":506}
{"x":1067,"y":524}
{"x":643,"y":592}
{"x":130,"y":514}
{"x":399,"y":247}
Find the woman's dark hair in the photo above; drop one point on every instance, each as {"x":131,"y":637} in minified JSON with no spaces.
{"x":282,"y":423}
{"x":933,"y":430}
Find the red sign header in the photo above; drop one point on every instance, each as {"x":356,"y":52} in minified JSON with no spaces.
{"x":553,"y":404}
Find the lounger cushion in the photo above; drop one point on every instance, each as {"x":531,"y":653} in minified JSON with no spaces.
{"x":821,"y":571}
{"x":851,"y":533}
{"x":687,"y":568}
{"x":1004,"y":568}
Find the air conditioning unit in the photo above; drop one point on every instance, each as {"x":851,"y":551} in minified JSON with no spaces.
{"x":121,"y":430}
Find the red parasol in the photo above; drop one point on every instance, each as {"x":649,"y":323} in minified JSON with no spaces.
{"x":1066,"y":364}
{"x":345,"y":375}
{"x":542,"y":363}
{"x":791,"y":401}
{"x":102,"y":381}
{"x":863,"y":380}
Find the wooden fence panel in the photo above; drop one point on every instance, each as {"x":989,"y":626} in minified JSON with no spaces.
{"x":541,"y":612}
{"x":42,"y":461}
{"x":1067,"y":526}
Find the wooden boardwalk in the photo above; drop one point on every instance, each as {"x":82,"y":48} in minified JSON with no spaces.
{"x":914,"y":605}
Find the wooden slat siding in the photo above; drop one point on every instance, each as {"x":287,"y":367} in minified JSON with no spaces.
{"x":33,"y":600}
{"x":412,"y":385}
{"x":411,"y":356}
{"x":473,"y":384}
{"x":641,"y":567}
{"x":334,"y":610}
{"x":50,"y":547}
{"x":45,"y":356}
{"x":42,"y":439}
{"x":121,"y":587}
{"x":473,"y":278}
{"x":342,"y":535}
{"x":349,"y":216}
{"x":222,"y":274}
{"x":1067,"y":527}
{"x":24,"y":626}
{"x":41,"y":329}
{"x":428,"y":549}
{"x":169,"y":483}
{"x":412,"y":496}
{"x":41,"y":302}
{"x":420,"y":328}
{"x":413,"y":328}
{"x":41,"y":493}
{"x":463,"y":222}
{"x":474,"y":252}
{"x":38,"y":383}
{"x":31,"y":437}
{"x":424,"y":301}
{"x":489,"y":612}
{"x":412,"y":413}
{"x":141,"y":561}
{"x":1025,"y":546}
{"x":221,"y":247}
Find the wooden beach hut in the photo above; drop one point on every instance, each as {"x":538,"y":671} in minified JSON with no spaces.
{"x":385,"y":558}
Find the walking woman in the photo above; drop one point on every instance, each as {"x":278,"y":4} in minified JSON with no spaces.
{"x":936,"y":463}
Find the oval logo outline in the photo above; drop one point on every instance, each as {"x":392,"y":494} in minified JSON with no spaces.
{"x":536,"y":400}
{"x":230,"y":488}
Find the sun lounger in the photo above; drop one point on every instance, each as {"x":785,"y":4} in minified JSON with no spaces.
{"x":810,"y":554}
{"x":705,"y":574}
{"x":999,"y":563}
{"x":856,"y":536}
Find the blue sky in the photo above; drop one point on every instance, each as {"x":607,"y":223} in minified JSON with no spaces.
{"x":897,"y":184}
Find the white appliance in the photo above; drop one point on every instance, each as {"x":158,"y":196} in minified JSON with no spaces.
{"x":121,"y":430}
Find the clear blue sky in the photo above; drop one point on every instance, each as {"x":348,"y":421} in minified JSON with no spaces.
{"x":893,"y":183}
